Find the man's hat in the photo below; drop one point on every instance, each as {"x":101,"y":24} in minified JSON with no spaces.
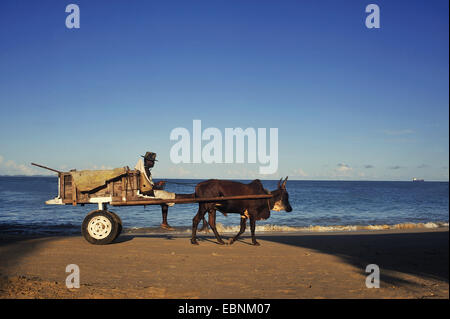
{"x":150,"y":156}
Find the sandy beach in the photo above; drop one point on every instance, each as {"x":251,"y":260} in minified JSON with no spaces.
{"x":413,"y":264}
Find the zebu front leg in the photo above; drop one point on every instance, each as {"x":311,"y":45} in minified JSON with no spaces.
{"x":243,"y":225}
{"x":252,"y":228}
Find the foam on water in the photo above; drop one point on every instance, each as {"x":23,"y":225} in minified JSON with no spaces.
{"x":332,"y":228}
{"x":283,"y":228}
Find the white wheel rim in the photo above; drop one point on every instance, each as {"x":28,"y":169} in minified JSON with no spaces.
{"x":99,"y":227}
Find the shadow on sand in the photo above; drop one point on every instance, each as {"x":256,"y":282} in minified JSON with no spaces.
{"x":423,"y":254}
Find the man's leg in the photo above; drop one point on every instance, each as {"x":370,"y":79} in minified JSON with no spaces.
{"x":164,"y":211}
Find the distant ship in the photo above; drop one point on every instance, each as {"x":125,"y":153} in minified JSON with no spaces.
{"x":417,"y":180}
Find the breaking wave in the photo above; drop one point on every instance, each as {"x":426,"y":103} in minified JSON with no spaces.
{"x":312,"y":228}
{"x":281,"y":228}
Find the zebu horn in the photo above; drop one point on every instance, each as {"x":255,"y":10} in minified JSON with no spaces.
{"x":279,"y":182}
{"x":284,"y":183}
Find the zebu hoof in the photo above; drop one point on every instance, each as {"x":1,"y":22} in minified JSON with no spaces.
{"x":255,"y":243}
{"x":230,"y":242}
{"x":221,"y":242}
{"x":194,"y":242}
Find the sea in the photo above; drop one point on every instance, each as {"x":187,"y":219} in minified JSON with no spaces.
{"x":318,"y":206}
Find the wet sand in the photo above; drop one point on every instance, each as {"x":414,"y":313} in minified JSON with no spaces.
{"x":413,"y":264}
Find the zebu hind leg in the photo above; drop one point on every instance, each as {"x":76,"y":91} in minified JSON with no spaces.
{"x":205,"y":226}
{"x":212,"y":224}
{"x":243,"y":225}
{"x":197,"y":218}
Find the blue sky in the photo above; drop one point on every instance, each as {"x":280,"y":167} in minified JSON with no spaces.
{"x":350,"y":103}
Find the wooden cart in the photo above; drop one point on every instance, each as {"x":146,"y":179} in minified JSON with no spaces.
{"x":102,"y":226}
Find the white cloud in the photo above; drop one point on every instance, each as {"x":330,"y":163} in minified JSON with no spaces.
{"x":12,"y":168}
{"x":342,"y":170}
{"x":343,"y":167}
{"x":300,"y":172}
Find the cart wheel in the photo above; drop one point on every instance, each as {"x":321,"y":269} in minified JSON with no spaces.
{"x":119,"y":223}
{"x":100,"y":227}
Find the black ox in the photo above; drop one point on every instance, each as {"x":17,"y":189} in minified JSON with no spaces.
{"x":253,"y":209}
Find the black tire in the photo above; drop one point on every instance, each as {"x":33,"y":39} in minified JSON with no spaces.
{"x":119,"y":223}
{"x":100,"y":227}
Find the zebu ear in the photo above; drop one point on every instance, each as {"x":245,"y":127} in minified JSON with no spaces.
{"x":284,"y":183}
{"x":279,"y":183}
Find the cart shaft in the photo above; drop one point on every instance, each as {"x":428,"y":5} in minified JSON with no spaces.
{"x":187,"y":200}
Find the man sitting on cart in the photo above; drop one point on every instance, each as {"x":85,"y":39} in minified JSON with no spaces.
{"x":149,"y":188}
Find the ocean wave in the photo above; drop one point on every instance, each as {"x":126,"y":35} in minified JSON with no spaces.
{"x":333,"y":228}
{"x":283,"y":228}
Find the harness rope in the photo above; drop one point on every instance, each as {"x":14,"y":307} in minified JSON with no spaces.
{"x":178,"y":183}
